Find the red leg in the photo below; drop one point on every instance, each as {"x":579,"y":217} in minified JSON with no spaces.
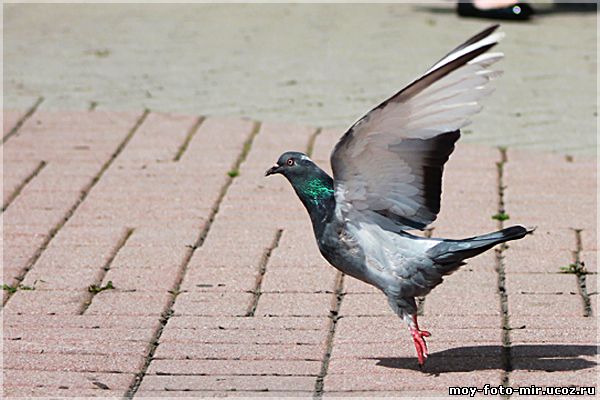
{"x":418,"y":337}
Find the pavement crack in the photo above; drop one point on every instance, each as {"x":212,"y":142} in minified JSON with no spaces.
{"x":581,"y":273}
{"x":105,"y":268}
{"x":262,"y":269}
{"x":22,"y":185}
{"x":334,"y":316}
{"x":188,"y":139}
{"x":22,"y":120}
{"x":168,"y":313}
{"x":500,"y":270}
{"x":82,"y":196}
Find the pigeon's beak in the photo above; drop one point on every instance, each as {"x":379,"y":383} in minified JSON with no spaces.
{"x":273,"y":170}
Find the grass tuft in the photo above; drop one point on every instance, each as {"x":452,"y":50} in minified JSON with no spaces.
{"x":12,"y":289}
{"x":577,"y":268}
{"x":501,"y":216}
{"x":98,"y":289}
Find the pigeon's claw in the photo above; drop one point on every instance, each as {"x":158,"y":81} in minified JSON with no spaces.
{"x":420,"y":345}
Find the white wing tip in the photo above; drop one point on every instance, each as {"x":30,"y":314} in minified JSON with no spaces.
{"x":497,"y":36}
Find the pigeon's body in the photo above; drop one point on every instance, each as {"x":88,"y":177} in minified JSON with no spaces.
{"x":388,"y":169}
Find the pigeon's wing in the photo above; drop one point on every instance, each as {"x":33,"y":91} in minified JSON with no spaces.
{"x":388,"y":165}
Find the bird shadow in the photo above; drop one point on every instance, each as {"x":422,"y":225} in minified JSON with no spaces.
{"x":548,"y":357}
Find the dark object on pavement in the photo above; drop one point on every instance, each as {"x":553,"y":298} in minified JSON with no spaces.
{"x":515,"y":12}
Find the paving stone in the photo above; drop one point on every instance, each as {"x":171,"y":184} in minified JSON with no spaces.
{"x":589,"y":239}
{"x":527,"y":260}
{"x":294,"y":304}
{"x":31,"y":302}
{"x":555,"y":350}
{"x":206,"y":384}
{"x":552,"y":243}
{"x":557,"y":322}
{"x":212,"y":303}
{"x":93,"y":333}
{"x":360,"y":304}
{"x":75,"y":347}
{"x":443,"y":346}
{"x":116,"y":302}
{"x":150,"y":257}
{"x":244,"y":351}
{"x":53,"y":278}
{"x":235,"y":367}
{"x":74,"y":362}
{"x":254,"y":323}
{"x":294,"y":280}
{"x":62,"y":392}
{"x":223,"y":278}
{"x":14,"y":378}
{"x":580,"y":377}
{"x":410,"y":379}
{"x":141,"y":279}
{"x":435,"y":365}
{"x":81,"y":321}
{"x":545,"y":305}
{"x":74,"y":257}
{"x":227,"y":382}
{"x":375,"y":333}
{"x":249,"y":336}
{"x":564,"y":335}
{"x":541,"y":284}
{"x":392,"y":322}
{"x":218,"y":393}
{"x":456,"y":303}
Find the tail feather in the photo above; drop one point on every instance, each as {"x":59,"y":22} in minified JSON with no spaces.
{"x":455,"y":251}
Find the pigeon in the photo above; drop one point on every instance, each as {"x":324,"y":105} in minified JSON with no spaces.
{"x":387,"y":179}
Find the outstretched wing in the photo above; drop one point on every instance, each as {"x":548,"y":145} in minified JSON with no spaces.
{"x":388,"y":166}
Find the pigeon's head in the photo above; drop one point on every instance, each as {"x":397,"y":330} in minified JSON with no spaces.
{"x":292,"y":164}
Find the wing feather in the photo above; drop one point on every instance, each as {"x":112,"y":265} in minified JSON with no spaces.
{"x":388,"y":166}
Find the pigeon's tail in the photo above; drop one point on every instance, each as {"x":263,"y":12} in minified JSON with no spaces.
{"x":452,"y":252}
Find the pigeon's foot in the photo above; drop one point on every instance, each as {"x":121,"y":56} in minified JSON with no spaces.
{"x":418,"y":337}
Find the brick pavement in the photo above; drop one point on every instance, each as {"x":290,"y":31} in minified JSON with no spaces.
{"x":206,"y":280}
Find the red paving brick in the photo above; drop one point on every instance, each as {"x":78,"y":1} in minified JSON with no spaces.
{"x":382,"y":378}
{"x":20,"y":379}
{"x":209,"y":347}
{"x":238,"y":336}
{"x":219,"y":393}
{"x":243,"y":323}
{"x":228,"y":382}
{"x":235,"y":367}
{"x":74,"y":362}
{"x":241,"y":351}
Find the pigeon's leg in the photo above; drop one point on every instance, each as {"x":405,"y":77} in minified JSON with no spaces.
{"x":418,"y":338}
{"x":406,"y":308}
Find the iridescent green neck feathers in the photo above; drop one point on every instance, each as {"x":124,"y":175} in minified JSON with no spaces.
{"x":316,"y":189}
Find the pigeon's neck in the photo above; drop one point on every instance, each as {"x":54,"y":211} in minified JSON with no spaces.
{"x":316,"y":193}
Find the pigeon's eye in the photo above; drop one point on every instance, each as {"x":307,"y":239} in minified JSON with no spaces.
{"x":290,"y":162}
